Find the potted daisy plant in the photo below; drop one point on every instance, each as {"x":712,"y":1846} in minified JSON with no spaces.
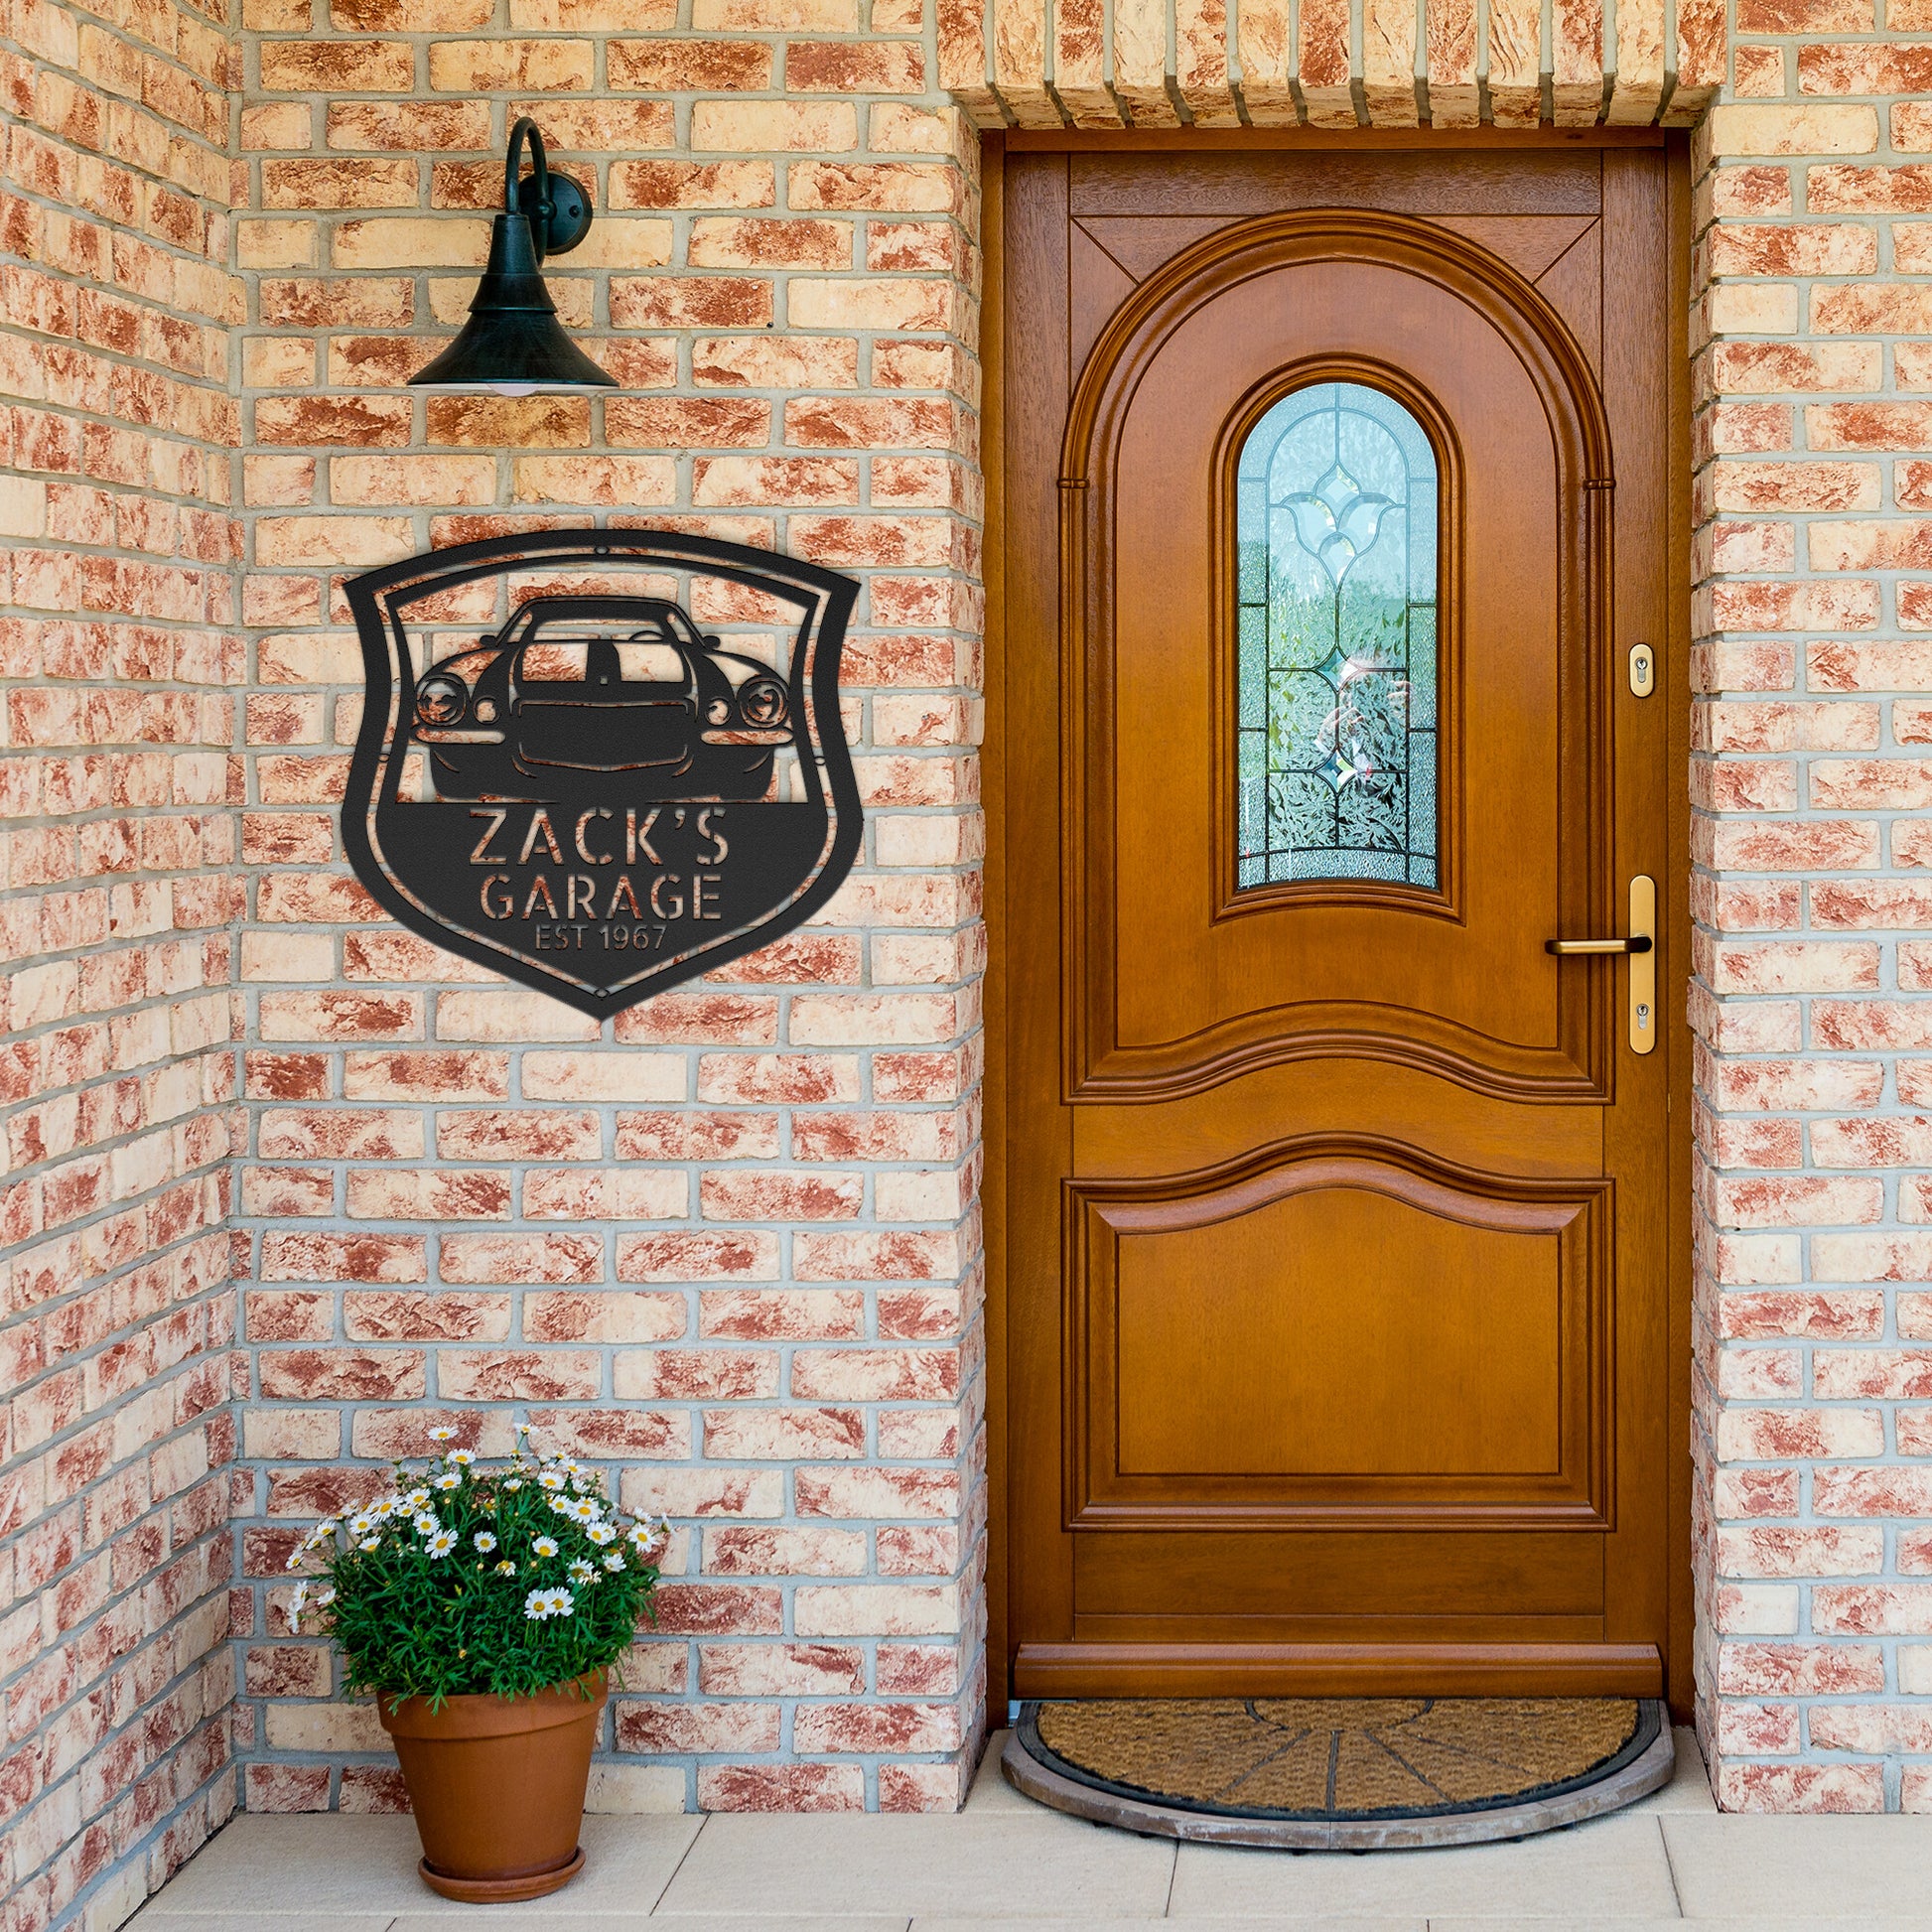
{"x":485,"y":1607}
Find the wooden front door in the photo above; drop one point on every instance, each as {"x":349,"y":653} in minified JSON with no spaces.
{"x":1338,"y":1209}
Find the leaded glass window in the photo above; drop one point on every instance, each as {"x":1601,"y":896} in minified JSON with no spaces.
{"x":1336,"y":527}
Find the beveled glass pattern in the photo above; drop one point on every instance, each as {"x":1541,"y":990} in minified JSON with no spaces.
{"x":1337,"y":536}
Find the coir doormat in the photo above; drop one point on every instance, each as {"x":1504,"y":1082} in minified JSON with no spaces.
{"x":1341,"y":1772}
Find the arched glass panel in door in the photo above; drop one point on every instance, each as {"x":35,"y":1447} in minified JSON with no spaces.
{"x":1336,"y":527}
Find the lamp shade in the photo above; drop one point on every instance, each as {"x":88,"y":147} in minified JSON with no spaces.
{"x":512,"y":342}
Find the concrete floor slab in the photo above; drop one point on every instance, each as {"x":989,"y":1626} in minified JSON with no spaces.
{"x":1819,"y":1867}
{"x":155,"y":1919}
{"x":1041,"y":1865}
{"x":303,"y":1867}
{"x":1667,"y":1925}
{"x":991,"y":1791}
{"x":1688,"y":1788}
{"x":309,"y":1866}
{"x":1403,"y":1923}
{"x":534,"y":1918}
{"x":1615,"y":1867}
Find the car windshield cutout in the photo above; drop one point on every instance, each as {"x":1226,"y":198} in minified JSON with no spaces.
{"x":565,"y":658}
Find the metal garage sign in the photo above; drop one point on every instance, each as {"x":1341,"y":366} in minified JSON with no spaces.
{"x":566,"y":774}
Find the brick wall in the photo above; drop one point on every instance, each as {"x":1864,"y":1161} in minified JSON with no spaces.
{"x":122,"y":671}
{"x":1811,"y":783}
{"x":726,"y":1245}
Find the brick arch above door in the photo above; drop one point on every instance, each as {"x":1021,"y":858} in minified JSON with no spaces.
{"x":1331,"y":63}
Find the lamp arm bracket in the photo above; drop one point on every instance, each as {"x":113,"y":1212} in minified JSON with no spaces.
{"x":557,"y":208}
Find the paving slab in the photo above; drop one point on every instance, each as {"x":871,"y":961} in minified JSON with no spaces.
{"x":1799,"y":1924}
{"x":159,"y":1920}
{"x":1040,"y":1865}
{"x":302,"y":1866}
{"x":1613,"y":1869}
{"x":990,"y":1790}
{"x":1794,"y":1868}
{"x":1403,"y":1923}
{"x":1688,"y":1788}
{"x":529,"y":1917}
{"x":560,"y":1918}
{"x":308,"y":1866}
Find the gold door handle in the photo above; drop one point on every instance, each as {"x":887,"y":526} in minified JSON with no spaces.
{"x":1642,"y":947}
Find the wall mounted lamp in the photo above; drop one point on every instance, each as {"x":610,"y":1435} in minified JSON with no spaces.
{"x":512,"y":342}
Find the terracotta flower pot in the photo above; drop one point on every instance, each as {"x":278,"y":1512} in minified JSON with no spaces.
{"x":498,"y":1787}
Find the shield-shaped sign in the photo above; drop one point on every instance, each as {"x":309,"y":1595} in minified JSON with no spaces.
{"x":601,"y":760}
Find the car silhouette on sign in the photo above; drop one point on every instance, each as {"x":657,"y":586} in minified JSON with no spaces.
{"x":576,"y":692}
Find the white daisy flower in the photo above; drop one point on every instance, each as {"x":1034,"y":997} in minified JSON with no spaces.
{"x":296,"y":1604}
{"x":324,"y":1597}
{"x":600,"y":1533}
{"x":562,"y":1604}
{"x":550,"y":1479}
{"x":544,"y":1546}
{"x":294,"y":1558}
{"x":461,"y":1458}
{"x":426,"y":1523}
{"x":584,"y":1510}
{"x":484,"y":1542}
{"x":444,"y":1434}
{"x":582,"y":1573}
{"x":614,"y":1561}
{"x":448,"y":1479}
{"x":506,"y":1568}
{"x":536,"y":1606}
{"x":360,"y":1523}
{"x":441,"y":1543}
{"x":416,"y":1498}
{"x":515,"y":1483}
{"x":370,"y":1543}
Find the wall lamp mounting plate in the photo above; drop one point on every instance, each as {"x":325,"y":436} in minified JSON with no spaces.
{"x":560,"y":225}
{"x":514,"y":345}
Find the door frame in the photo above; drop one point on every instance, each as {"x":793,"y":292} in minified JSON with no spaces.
{"x":994,"y":149}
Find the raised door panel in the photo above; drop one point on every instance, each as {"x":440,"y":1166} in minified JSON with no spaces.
{"x":1337,"y":1335}
{"x":1185,"y":974}
{"x":1344,"y":1332}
